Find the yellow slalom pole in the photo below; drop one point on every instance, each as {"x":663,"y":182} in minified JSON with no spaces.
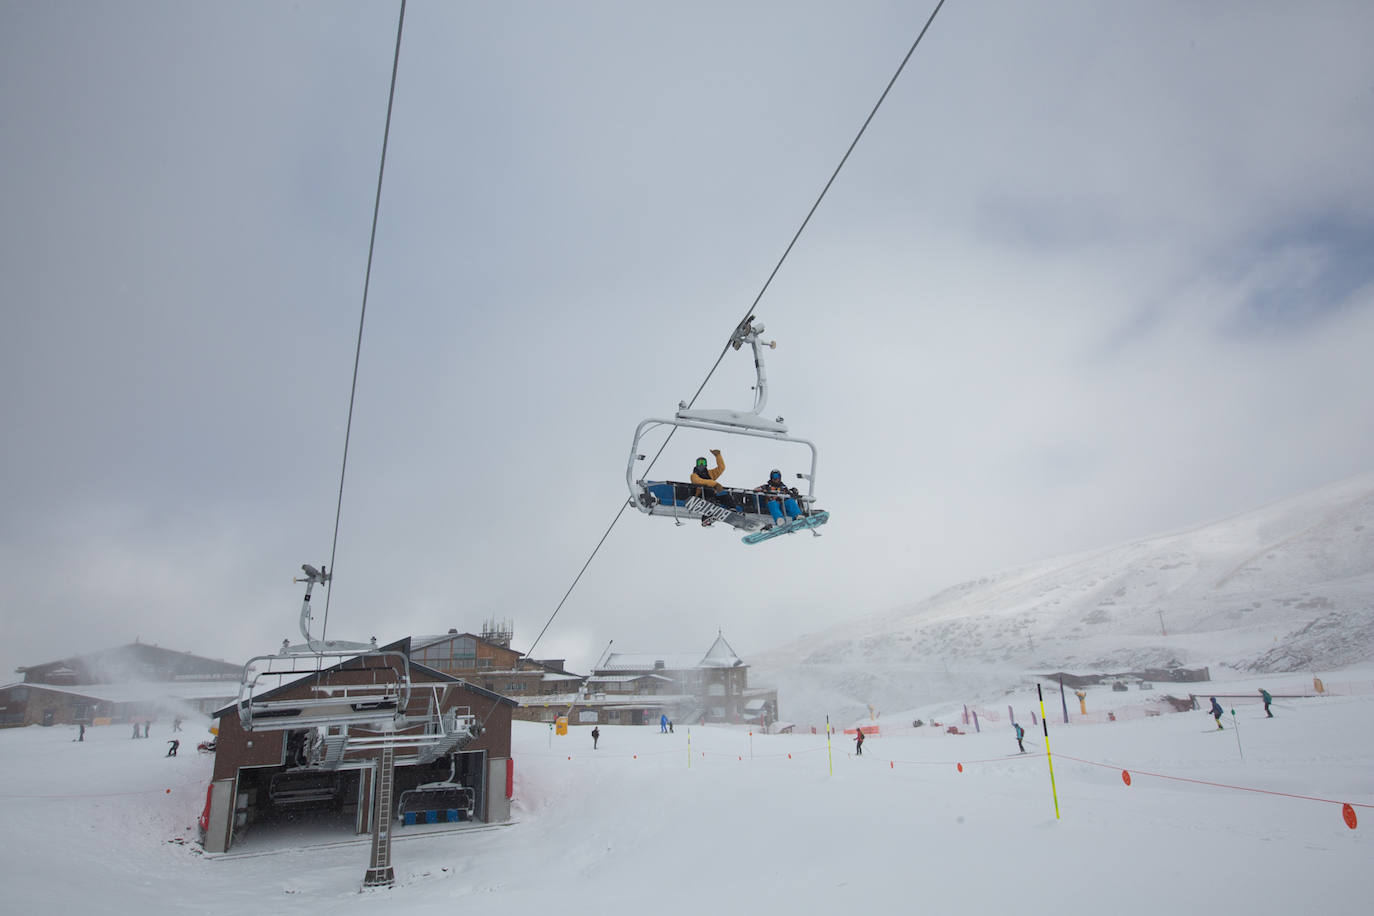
{"x":828,"y":755}
{"x":1045,"y":724}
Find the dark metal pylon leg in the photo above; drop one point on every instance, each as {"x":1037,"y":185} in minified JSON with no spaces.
{"x":380,"y":874}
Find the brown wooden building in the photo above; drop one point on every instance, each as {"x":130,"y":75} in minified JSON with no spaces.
{"x":641,"y":689}
{"x":136,"y":682}
{"x":325,"y":771}
{"x":490,"y":662}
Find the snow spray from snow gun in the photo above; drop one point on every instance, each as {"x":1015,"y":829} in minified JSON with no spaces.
{"x":1048,"y":756}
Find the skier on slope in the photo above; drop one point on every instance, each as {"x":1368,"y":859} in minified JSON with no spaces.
{"x":1216,"y":711}
{"x":859,"y":742}
{"x":1264,"y":695}
{"x":1020,"y":735}
{"x":596,"y":736}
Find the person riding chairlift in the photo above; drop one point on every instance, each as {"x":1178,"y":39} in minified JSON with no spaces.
{"x":781,"y":498}
{"x":708,"y":487}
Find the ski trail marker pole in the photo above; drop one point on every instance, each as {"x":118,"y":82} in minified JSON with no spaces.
{"x":1048,"y":756}
{"x":828,"y":756}
{"x":1236,"y":725}
{"x":689,"y":748}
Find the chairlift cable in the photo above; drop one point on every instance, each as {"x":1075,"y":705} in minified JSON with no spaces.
{"x":752,"y":305}
{"x":357,"y":353}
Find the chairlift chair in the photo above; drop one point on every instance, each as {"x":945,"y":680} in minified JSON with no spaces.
{"x":682,"y":500}
{"x":330,"y":697}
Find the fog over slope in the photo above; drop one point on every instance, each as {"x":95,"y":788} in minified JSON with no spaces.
{"x":1288,"y":587}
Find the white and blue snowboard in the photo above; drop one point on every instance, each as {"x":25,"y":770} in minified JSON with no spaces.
{"x":815,"y":520}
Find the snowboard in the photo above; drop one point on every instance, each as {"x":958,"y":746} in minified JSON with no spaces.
{"x":814,"y":520}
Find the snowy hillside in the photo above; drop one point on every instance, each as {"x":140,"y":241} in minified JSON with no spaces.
{"x":1289,"y":587}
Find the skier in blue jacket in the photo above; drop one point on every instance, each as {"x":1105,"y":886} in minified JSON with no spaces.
{"x":1020,"y":734}
{"x":1216,"y":711}
{"x":1264,"y":695}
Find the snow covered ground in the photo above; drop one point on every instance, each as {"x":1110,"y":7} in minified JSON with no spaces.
{"x":759,"y":823}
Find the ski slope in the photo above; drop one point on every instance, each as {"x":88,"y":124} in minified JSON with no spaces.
{"x":1285,"y":588}
{"x":757,"y":824}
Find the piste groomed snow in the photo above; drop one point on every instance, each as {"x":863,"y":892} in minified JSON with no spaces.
{"x":758,"y":823}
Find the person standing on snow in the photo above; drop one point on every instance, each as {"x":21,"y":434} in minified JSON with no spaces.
{"x":1216,"y":711}
{"x":1020,"y":734}
{"x":663,"y":723}
{"x":1264,"y":695}
{"x":859,"y":743}
{"x":596,"y":736}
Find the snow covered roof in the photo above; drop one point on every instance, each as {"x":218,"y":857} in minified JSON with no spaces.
{"x":550,"y":676}
{"x":721,"y":655}
{"x":602,"y":701}
{"x":143,"y":691}
{"x":624,"y":661}
{"x":625,"y":678}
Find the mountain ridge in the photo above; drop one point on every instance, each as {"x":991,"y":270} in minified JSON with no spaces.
{"x":1286,"y":587}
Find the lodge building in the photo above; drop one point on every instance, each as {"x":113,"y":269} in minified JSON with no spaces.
{"x":137,"y":682}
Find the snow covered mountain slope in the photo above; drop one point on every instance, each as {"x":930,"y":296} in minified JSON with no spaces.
{"x":1288,"y":587}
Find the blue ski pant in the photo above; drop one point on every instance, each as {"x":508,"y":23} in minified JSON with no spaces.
{"x":776,"y":508}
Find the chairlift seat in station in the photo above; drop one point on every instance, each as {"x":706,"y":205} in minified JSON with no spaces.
{"x":318,"y":699}
{"x":432,"y":801}
{"x":323,"y":682}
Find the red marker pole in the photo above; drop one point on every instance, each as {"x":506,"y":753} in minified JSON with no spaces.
{"x":1045,"y":723}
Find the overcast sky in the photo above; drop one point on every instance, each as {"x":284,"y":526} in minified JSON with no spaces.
{"x":1095,"y":272}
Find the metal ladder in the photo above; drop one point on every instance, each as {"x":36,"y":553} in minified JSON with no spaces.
{"x":380,"y":874}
